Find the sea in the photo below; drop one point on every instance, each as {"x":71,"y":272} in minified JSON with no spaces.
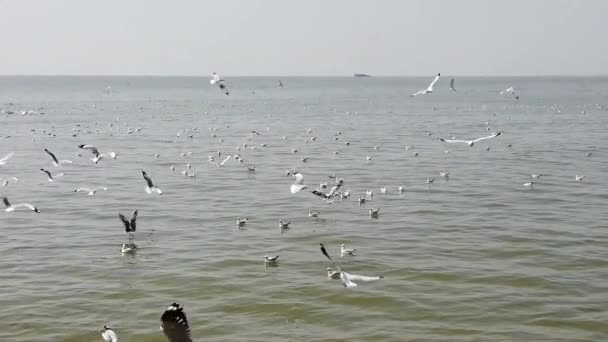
{"x":476,"y":256}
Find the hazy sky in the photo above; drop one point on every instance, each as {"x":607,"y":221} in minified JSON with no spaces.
{"x":304,"y":37}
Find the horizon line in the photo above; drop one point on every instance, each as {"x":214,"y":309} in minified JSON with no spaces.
{"x":300,"y":76}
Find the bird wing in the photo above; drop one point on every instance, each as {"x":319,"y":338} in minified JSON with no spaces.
{"x":324,"y":251}
{"x":52,"y":156}
{"x":452,"y":84}
{"x":299,"y":179}
{"x":134,"y":220}
{"x":319,"y":193}
{"x":47,"y":173}
{"x":226,"y":160}
{"x":124,"y":221}
{"x":418,"y":93}
{"x":6,"y":157}
{"x":26,"y":205}
{"x":175,"y":324}
{"x":91,"y":148}
{"x":83,"y":190}
{"x":6,"y":202}
{"x":430,"y":88}
{"x":148,"y":179}
{"x":346,"y":281}
{"x":355,"y":277}
{"x":453,"y":141}
{"x":488,"y":137}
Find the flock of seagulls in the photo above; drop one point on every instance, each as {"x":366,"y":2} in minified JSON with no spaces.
{"x":174,"y":323}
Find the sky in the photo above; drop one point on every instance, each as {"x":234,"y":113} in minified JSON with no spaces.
{"x":304,"y":37}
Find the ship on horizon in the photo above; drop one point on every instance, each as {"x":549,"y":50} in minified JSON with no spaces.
{"x":361,"y":75}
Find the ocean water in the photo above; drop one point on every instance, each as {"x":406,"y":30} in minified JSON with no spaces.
{"x":476,"y":257}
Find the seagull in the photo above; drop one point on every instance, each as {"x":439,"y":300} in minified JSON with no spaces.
{"x":401,"y":189}
{"x":429,"y":89}
{"x":51,"y":178}
{"x":96,"y":155}
{"x":108,"y":334}
{"x":374,"y":213}
{"x":452,"y":85}
{"x":535,"y":175}
{"x":471,"y":142}
{"x":579,"y":178}
{"x":346,"y":251}
{"x":333,"y":274}
{"x":348,"y":280}
{"x":10,"y":207}
{"x":444,"y":174}
{"x":57,"y":162}
{"x":222,"y":163}
{"x":369,"y":193}
{"x":298,"y":185}
{"x":383,"y":190}
{"x":313,"y":213}
{"x":512,"y":91}
{"x":271,"y":260}
{"x":215,"y":79}
{"x":284,"y":225}
{"x":150,"y":188}
{"x":130,"y":225}
{"x":529,"y":185}
{"x":174,"y":324}
{"x":6,"y":158}
{"x":361,"y":200}
{"x":331,"y":193}
{"x":240,"y":222}
{"x":90,"y":191}
{"x":5,"y":183}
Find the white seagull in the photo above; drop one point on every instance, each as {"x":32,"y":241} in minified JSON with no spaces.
{"x":348,"y":280}
{"x":174,"y":324}
{"x":429,"y":89}
{"x":90,"y":191}
{"x":313,"y":213}
{"x":284,"y":225}
{"x":346,"y":251}
{"x":240,"y":222}
{"x":470,"y":142}
{"x":6,"y":158}
{"x":271,"y":260}
{"x":96,"y":155}
{"x":298,"y":184}
{"x":57,"y":162}
{"x":150,"y":188}
{"x":10,"y":207}
{"x":108,"y":334}
{"x":50,"y":176}
{"x":529,"y":185}
{"x":215,"y":79}
{"x":579,"y":178}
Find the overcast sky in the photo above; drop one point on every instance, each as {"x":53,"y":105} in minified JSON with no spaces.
{"x":304,"y":37}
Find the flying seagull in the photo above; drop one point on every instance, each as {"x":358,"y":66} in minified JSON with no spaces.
{"x":96,"y":155}
{"x":5,"y":182}
{"x":429,"y":89}
{"x":452,"y":85}
{"x":216,"y":79}
{"x":90,"y":191}
{"x":174,"y":324}
{"x":10,"y":207}
{"x":6,"y":158}
{"x":57,"y":162}
{"x":150,"y":188}
{"x":470,"y":142}
{"x":50,"y":176}
{"x":348,"y":280}
{"x":331,"y":193}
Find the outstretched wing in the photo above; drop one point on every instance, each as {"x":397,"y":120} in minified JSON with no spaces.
{"x":147,"y":178}
{"x":488,"y":137}
{"x":453,"y":141}
{"x":430,"y":88}
{"x":47,"y":173}
{"x":134,"y":220}
{"x":6,"y":157}
{"x":6,"y":202}
{"x":124,"y":221}
{"x":174,"y":324}
{"x":91,"y":148}
{"x":52,"y":156}
{"x":319,"y":193}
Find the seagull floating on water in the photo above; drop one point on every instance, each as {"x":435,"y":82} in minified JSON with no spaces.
{"x":313,"y":213}
{"x":284,"y":225}
{"x":579,"y":178}
{"x":298,"y":184}
{"x":108,"y":334}
{"x":470,"y":142}
{"x":346,"y":251}
{"x":529,"y":185}
{"x":429,"y":89}
{"x":174,"y":324}
{"x":240,"y":222}
{"x":271,"y":260}
{"x":374,"y":213}
{"x":150,"y":188}
{"x":10,"y":207}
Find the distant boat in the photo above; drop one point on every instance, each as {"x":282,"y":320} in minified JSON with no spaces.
{"x":361,"y":75}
